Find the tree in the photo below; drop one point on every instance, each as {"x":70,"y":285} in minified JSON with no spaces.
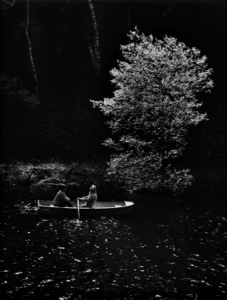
{"x":16,"y":34}
{"x":94,"y":51}
{"x":154,"y":104}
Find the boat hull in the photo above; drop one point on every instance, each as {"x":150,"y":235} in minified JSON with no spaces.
{"x":107,"y":208}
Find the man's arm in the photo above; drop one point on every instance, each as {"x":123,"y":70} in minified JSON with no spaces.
{"x":84,"y":198}
{"x":67,"y":199}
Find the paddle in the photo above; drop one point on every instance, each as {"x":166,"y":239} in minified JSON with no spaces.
{"x":78,"y":207}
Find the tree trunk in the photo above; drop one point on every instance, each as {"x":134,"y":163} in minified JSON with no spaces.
{"x":95,"y":53}
{"x":30,"y":53}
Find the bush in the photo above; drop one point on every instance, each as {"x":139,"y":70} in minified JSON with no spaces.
{"x":40,"y":180}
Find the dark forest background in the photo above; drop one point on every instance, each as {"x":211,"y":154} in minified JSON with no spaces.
{"x":63,"y":124}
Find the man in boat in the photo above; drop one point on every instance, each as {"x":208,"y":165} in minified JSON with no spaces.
{"x":61,"y":199}
{"x":91,"y":198}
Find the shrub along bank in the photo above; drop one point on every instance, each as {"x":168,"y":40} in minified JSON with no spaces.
{"x":22,"y":181}
{"x":32,"y":181}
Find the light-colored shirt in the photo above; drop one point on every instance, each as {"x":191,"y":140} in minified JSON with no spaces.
{"x":61,"y":198}
{"x":91,"y":199}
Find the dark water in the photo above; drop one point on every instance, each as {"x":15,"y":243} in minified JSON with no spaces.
{"x":159,"y":251}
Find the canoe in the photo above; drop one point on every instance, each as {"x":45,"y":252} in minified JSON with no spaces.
{"x":102,"y":208}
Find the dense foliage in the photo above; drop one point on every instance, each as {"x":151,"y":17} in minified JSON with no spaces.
{"x":36,"y":179}
{"x":154,"y":103}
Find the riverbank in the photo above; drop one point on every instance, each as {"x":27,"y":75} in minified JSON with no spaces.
{"x":180,"y":245}
{"x":40,"y":180}
{"x":27,"y":182}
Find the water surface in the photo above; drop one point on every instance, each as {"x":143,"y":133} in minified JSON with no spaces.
{"x":159,"y":251}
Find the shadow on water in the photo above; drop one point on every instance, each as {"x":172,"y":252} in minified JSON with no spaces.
{"x":163,"y":251}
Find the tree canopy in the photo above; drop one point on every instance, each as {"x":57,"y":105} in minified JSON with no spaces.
{"x":154,"y":103}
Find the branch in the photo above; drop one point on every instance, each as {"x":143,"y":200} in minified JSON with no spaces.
{"x":30,"y":51}
{"x":10,"y":3}
{"x":165,"y":13}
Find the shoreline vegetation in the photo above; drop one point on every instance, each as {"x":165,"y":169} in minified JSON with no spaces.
{"x":30,"y":181}
{"x":40,"y":180}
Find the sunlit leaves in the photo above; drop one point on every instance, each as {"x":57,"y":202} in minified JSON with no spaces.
{"x":154,"y":103}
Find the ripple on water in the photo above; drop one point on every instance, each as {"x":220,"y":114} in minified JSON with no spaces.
{"x":179,"y":257}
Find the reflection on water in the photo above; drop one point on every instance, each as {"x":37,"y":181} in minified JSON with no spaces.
{"x":176,"y":256}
